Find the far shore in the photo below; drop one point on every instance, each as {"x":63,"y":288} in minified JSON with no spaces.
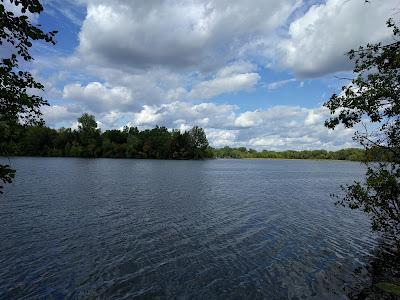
{"x":214,"y":158}
{"x":274,"y":158}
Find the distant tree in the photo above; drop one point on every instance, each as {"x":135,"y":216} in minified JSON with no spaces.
{"x":374,"y":95}
{"x":242,"y":149}
{"x":116,"y":136}
{"x":38,"y":140}
{"x":64,"y":138}
{"x":133,"y":142}
{"x":89,"y":136}
{"x":17,"y":103}
{"x":199,"y":142}
{"x":87,"y":123}
{"x":160,"y":139}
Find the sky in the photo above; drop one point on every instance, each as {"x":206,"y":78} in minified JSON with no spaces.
{"x":252,"y":73}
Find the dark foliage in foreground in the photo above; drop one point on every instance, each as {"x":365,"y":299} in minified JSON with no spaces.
{"x":374,"y":95}
{"x":89,"y":141}
{"x":18,"y":103}
{"x":379,"y":278}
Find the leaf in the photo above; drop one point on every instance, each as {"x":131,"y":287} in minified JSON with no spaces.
{"x":389,"y":287}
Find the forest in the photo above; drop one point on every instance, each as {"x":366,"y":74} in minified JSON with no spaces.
{"x":156,"y":143}
{"x":89,"y":141}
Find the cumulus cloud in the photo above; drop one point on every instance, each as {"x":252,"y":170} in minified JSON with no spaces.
{"x":60,"y":115}
{"x":222,"y":137}
{"x":148,"y":53}
{"x":126,"y":92}
{"x":315,"y":116}
{"x":232,"y":78}
{"x":177,"y":34}
{"x":318,"y":40}
{"x":174,"y":114}
{"x":290,"y":127}
{"x":98,"y":98}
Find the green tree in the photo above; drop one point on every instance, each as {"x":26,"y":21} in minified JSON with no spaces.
{"x":87,"y":123}
{"x":17,"y":103}
{"x":89,"y":135}
{"x":64,"y":139}
{"x":38,"y":140}
{"x":133,"y":142}
{"x":374,"y":95}
{"x":198,"y":142}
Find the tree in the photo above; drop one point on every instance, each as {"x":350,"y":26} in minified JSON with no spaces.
{"x":38,"y":140}
{"x":89,"y":135}
{"x":374,"y":95}
{"x":199,"y":142}
{"x":133,"y":141}
{"x":87,"y":123}
{"x":17,"y":103}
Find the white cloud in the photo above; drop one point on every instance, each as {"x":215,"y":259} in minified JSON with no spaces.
{"x":315,"y":116}
{"x":249,"y":119}
{"x":98,"y":98}
{"x":227,"y":84}
{"x":174,"y":114}
{"x":178,"y":34}
{"x":221,"y":137}
{"x":239,"y":67}
{"x":318,"y":40}
{"x":60,"y":115}
{"x":279,"y":84}
{"x":126,"y":92}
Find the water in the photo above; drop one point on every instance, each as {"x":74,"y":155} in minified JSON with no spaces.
{"x":225,"y":229}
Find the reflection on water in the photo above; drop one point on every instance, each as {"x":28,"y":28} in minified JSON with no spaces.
{"x":103,"y":228}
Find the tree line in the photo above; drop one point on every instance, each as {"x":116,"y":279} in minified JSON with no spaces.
{"x":157,"y":143}
{"x":89,"y":141}
{"x":353,"y":154}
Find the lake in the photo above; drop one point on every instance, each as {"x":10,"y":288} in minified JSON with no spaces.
{"x":214,"y":229}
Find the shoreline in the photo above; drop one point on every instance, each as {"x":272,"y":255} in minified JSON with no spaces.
{"x":174,"y":159}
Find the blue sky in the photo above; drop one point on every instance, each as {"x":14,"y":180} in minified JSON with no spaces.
{"x":252,"y":73}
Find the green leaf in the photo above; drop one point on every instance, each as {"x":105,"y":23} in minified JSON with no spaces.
{"x":389,"y":287}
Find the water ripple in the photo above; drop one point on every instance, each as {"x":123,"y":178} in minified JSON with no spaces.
{"x":119,"y":229}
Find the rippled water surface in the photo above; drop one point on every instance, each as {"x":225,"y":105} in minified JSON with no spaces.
{"x":226,"y":229}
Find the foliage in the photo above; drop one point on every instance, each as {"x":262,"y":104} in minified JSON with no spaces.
{"x":373,"y":96}
{"x":89,"y":141}
{"x":17,"y":104}
{"x":6,"y":175}
{"x":353,"y":154}
{"x":389,"y":287}
{"x":158,"y":143}
{"x":379,"y":276}
{"x":199,"y":142}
